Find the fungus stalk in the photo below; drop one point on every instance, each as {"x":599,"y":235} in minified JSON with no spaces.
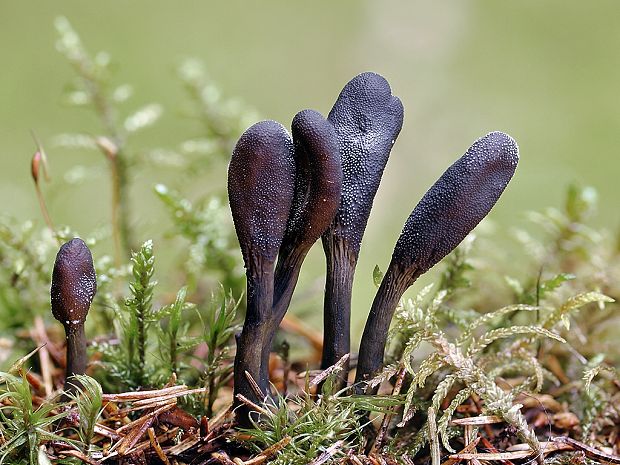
{"x":367,"y":119}
{"x":449,"y":210}
{"x":341,"y":262}
{"x":74,"y":285}
{"x":76,"y":353}
{"x":255,"y":334}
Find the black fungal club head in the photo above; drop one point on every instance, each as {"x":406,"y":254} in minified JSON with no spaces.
{"x":367,"y":119}
{"x":74,"y":283}
{"x":457,"y":202}
{"x":260,"y":189}
{"x":318,"y":179}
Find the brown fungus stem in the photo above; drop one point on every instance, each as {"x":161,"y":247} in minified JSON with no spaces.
{"x":74,"y":285}
{"x":260,"y":190}
{"x":449,"y":210}
{"x":367,"y":119}
{"x":318,"y":183}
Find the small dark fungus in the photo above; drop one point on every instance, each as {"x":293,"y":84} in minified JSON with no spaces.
{"x":74,"y":285}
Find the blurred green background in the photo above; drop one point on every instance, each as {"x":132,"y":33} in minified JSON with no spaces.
{"x":545,"y":72}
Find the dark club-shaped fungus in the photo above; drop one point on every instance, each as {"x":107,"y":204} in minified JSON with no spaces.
{"x":367,"y":119}
{"x":318,"y":183}
{"x":449,"y":210}
{"x":74,"y":285}
{"x":261,"y":178}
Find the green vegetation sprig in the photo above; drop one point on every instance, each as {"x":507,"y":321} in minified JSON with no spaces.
{"x":207,"y":228}
{"x":92,"y":89}
{"x":219,"y":327}
{"x":24,"y":424}
{"x":88,"y":400}
{"x":173,"y":330}
{"x":153,"y":342}
{"x":468,"y":362}
{"x":307,"y":430}
{"x":139,"y":306}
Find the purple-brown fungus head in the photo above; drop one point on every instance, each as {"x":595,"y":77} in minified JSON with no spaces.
{"x":318,"y":179}
{"x":457,"y":202}
{"x":74,"y":283}
{"x":367,"y":119}
{"x":261,"y":178}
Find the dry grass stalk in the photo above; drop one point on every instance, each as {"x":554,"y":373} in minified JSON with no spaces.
{"x":467,"y":449}
{"x":156,"y":447}
{"x":79,"y":455}
{"x":329,"y":453}
{"x":433,"y":437}
{"x":266,"y":454}
{"x":139,"y":395}
{"x":590,"y":452}
{"x":338,"y":366}
{"x":478,"y":421}
{"x":387,"y":417}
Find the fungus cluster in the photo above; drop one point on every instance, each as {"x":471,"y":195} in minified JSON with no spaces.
{"x":285,"y":192}
{"x":283,"y":195}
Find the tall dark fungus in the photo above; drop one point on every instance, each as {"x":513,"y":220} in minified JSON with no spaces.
{"x":283,"y":196}
{"x":450,"y":209}
{"x":367,"y":119}
{"x":261,"y":179}
{"x":74,"y":285}
{"x":318,"y":184}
